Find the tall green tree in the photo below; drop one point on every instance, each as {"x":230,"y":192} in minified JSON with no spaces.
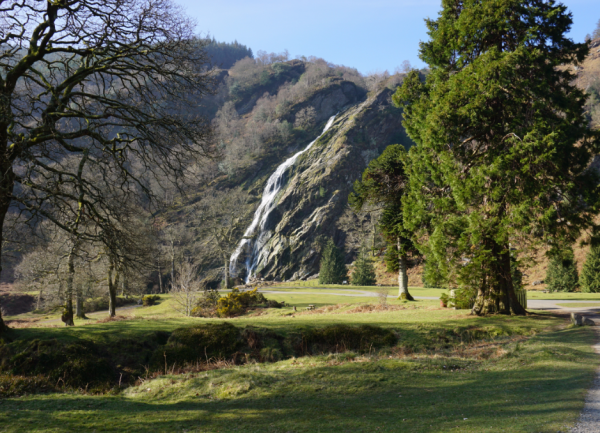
{"x":561,"y":275}
{"x":502,"y":142}
{"x":383,"y":184}
{"x":589,"y":280}
{"x":333,"y":269}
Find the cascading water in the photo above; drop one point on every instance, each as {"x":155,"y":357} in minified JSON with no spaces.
{"x":252,"y":241}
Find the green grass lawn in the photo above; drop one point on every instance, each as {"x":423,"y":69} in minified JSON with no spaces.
{"x":526,"y":374}
{"x":580,"y":304}
{"x":533,"y":385}
{"x":532,"y":294}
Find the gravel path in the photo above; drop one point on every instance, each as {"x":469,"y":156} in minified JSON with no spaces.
{"x":589,"y":421}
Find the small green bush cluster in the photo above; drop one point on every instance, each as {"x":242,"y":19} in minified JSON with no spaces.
{"x":236,"y":302}
{"x":207,"y":305}
{"x":150,"y":300}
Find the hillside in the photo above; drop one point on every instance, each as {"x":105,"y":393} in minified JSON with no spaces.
{"x":271,"y":101}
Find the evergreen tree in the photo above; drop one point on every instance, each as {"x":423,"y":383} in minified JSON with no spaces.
{"x":590,"y":274}
{"x":502,"y":142}
{"x":561,"y":275}
{"x":364,"y":271}
{"x":333,"y":270}
{"x":383,"y":184}
{"x":432,"y":276}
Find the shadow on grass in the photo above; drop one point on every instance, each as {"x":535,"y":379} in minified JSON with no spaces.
{"x":536,"y":387}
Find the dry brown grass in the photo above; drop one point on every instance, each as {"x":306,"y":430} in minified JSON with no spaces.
{"x":22,"y":323}
{"x":363,"y":308}
{"x":113,"y":319}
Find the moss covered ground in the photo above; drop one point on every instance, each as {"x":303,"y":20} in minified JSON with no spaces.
{"x":432,"y":370}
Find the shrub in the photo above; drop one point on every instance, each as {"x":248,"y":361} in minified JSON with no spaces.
{"x":229,"y":305}
{"x":333,"y":270}
{"x":207,"y":304}
{"x":237,"y":302}
{"x":149,"y":300}
{"x":273,"y":304}
{"x":561,"y":275}
{"x":364,"y":272}
{"x":590,"y":274}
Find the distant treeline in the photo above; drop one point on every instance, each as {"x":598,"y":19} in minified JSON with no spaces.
{"x":224,"y":55}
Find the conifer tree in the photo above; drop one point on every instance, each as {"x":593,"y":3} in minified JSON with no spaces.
{"x":590,"y":274}
{"x":333,"y":269}
{"x":502,"y":142}
{"x":561,"y":275}
{"x":364,"y":271}
{"x":383,"y":184}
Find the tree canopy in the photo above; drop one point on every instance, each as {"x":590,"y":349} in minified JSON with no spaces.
{"x":96,"y":98}
{"x":502,"y":142}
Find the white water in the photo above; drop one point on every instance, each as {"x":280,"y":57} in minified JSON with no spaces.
{"x":252,"y":241}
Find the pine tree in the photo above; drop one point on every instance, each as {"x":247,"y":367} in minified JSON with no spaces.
{"x":364,"y":271}
{"x":383,"y":184}
{"x":561,"y":275}
{"x":502,"y":142}
{"x":590,"y":274}
{"x":333,"y":270}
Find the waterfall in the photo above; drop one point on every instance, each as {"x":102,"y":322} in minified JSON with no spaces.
{"x":255,"y":236}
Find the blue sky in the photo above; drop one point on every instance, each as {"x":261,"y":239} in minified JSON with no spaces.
{"x":372,"y":35}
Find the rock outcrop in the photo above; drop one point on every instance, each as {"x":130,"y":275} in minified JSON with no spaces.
{"x":319,"y":183}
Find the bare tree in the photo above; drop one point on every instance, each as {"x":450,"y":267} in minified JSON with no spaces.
{"x":223,"y":217}
{"x":186,"y":288}
{"x":112,"y":81}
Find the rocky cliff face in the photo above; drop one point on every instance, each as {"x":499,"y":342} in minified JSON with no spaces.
{"x":318,"y":185}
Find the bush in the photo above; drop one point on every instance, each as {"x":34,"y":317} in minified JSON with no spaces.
{"x":149,"y":300}
{"x":207,"y":305}
{"x":590,"y":274}
{"x":364,"y":271}
{"x":333,"y":270}
{"x":230,"y":305}
{"x":237,"y":302}
{"x":561,"y":275}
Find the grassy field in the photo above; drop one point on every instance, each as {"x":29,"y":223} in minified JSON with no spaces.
{"x":511,"y":374}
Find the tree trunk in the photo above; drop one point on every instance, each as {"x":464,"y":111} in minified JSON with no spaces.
{"x":172,"y":262}
{"x":38,"y":304}
{"x":160,"y":285}
{"x":497,"y":293}
{"x":403,"y":275}
{"x":7,"y":179}
{"x":112,"y":290}
{"x":226,"y":284}
{"x":79,"y":313}
{"x":67,"y":316}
